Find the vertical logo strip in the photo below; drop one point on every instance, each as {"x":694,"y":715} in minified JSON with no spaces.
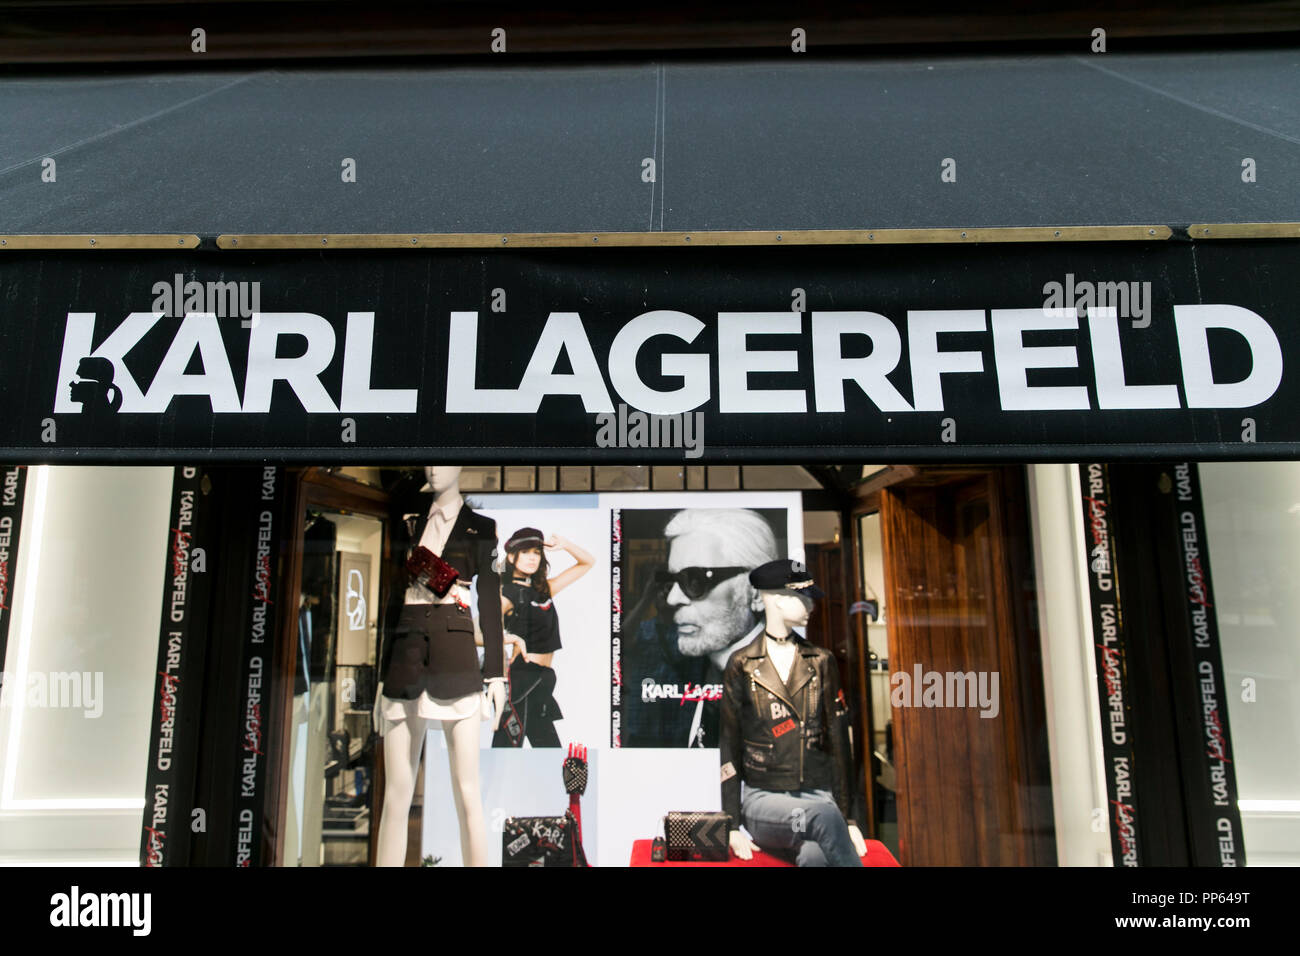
{"x":258,"y":646}
{"x":173,"y":641}
{"x":1112,"y":664}
{"x":1223,"y":824}
{"x":616,"y":628}
{"x":13,"y":484}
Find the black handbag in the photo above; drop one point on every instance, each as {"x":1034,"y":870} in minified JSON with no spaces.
{"x":541,"y":841}
{"x":551,"y":841}
{"x":698,"y":836}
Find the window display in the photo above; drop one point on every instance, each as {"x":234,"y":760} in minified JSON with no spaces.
{"x":410,"y":665}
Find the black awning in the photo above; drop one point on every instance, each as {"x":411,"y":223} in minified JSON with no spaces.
{"x":1100,"y":139}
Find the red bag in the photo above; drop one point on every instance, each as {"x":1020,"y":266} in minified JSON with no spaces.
{"x":428,"y":569}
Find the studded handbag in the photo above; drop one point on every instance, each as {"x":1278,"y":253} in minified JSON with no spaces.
{"x":698,"y":836}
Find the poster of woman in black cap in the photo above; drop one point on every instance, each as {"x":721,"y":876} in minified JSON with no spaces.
{"x":533,"y":626}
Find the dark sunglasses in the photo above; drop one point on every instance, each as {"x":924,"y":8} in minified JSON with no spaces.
{"x":697,"y":582}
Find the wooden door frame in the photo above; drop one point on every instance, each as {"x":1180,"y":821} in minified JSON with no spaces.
{"x":1019,"y":655}
{"x":310,"y":487}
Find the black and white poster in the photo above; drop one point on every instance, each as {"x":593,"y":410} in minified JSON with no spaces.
{"x":682,"y":605}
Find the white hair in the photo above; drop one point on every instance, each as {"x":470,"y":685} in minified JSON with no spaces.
{"x":746,"y":535}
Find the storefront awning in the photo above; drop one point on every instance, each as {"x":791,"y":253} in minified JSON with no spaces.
{"x":782,"y":144}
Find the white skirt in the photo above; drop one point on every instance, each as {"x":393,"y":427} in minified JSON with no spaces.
{"x":394,"y":711}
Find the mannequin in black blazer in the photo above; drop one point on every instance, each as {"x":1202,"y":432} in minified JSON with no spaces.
{"x":429,"y":671}
{"x":471,"y":550}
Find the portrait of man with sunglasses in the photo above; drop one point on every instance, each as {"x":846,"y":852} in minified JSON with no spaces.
{"x":705,"y":610}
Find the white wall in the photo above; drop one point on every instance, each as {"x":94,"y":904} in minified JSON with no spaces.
{"x":1252,"y":518}
{"x":1069,"y":669}
{"x":88,"y":590}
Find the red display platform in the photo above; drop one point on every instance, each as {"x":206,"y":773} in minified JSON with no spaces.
{"x":877,"y":855}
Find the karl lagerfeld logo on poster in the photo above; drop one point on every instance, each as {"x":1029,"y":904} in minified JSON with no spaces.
{"x":97,"y":379}
{"x":652,"y":690}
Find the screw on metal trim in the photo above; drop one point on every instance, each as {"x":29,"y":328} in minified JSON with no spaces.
{"x":963,"y":235}
{"x":688,"y":238}
{"x":871,"y":235}
{"x":323,"y":241}
{"x":234,"y":242}
{"x":595,"y":238}
{"x":504,"y":240}
{"x":414,"y":241}
{"x":180,"y":242}
{"x":92,"y":242}
{"x":1151,"y":232}
{"x":778,"y":237}
{"x":1057,"y":234}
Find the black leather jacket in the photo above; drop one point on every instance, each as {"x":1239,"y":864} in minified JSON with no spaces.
{"x":778,"y":738}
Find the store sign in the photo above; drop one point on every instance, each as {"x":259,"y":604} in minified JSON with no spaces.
{"x":927,"y":353}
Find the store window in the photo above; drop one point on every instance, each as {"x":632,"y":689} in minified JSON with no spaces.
{"x":1252,"y":515}
{"x":625,"y":593}
{"x":79,"y":666}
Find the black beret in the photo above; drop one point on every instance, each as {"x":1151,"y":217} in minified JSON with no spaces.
{"x":524,"y":538}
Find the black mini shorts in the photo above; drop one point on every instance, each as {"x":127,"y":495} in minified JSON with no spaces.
{"x":432,"y":649}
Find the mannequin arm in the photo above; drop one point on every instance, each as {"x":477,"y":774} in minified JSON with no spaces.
{"x":742,"y":846}
{"x":374,"y":712}
{"x":496,"y":691}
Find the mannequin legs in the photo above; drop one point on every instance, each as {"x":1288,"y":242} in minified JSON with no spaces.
{"x":402,"y":746}
{"x":462,"y":752}
{"x":806,"y":824}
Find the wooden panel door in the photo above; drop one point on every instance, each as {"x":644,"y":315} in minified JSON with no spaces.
{"x":972,"y":789}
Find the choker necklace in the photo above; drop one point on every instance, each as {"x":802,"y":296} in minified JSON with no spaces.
{"x":779,"y":640}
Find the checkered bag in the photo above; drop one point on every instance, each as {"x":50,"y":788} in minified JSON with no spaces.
{"x":698,"y":836}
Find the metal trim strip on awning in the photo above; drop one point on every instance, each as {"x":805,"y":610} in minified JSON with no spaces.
{"x":101,"y":241}
{"x":571,"y":240}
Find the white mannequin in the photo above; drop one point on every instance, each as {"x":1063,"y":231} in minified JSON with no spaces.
{"x":405,"y":740}
{"x":785,"y":609}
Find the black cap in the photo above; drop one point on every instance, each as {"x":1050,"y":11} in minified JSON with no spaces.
{"x":523,"y":538}
{"x":779,"y":575}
